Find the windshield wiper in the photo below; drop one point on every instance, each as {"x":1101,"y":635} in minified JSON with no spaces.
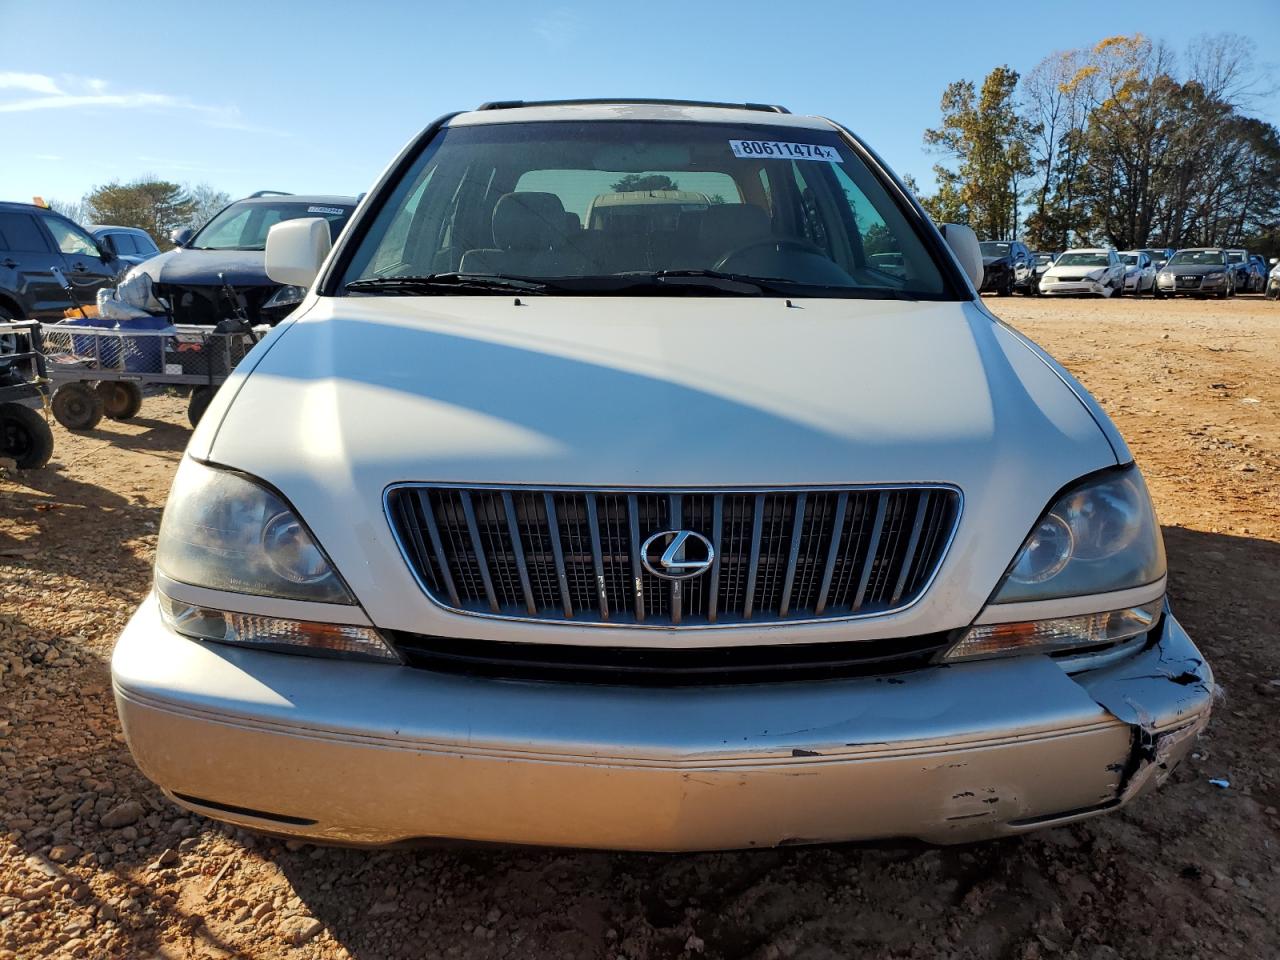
{"x":774,"y":286}
{"x":435,"y":282}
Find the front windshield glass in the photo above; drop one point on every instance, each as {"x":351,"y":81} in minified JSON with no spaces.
{"x":244,"y":226}
{"x":991,"y":248}
{"x":610,"y":206}
{"x":1044,"y":258}
{"x":1198,"y":258}
{"x":1082,"y":260}
{"x":1235,"y":256}
{"x":1129,"y":259}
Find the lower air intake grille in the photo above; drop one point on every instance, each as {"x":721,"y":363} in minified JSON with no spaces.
{"x":571,"y":555}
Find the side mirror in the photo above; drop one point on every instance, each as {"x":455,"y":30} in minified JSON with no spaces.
{"x":964,"y":244}
{"x":296,"y":249}
{"x":182,"y":236}
{"x":1275,"y":260}
{"x":108,"y":247}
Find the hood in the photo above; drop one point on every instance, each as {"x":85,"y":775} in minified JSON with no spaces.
{"x":992,"y":261}
{"x":356,"y":394}
{"x":187,"y":267}
{"x":1070,"y":272}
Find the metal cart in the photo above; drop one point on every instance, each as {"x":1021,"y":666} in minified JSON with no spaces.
{"x":25,"y":437}
{"x":100,"y":371}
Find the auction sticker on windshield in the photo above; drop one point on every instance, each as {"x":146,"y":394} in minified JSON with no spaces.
{"x":752,"y":149}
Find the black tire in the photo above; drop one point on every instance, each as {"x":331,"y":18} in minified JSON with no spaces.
{"x":199,"y":403}
{"x":1157,"y":294}
{"x":1120,"y":290}
{"x":120,"y":400}
{"x":77,"y":406}
{"x":25,"y":436}
{"x":1006,"y":289}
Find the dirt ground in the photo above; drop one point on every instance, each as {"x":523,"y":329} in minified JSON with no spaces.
{"x":94,"y":862}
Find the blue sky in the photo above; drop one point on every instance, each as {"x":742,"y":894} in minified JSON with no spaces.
{"x":318,"y":96}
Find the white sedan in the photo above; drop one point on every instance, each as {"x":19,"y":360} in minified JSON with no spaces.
{"x":1139,"y":272}
{"x":1091,"y":271}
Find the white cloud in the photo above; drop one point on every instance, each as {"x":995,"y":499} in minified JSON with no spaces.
{"x":81,"y":92}
{"x":35,"y":82}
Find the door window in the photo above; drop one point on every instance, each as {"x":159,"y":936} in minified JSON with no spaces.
{"x":19,"y":233}
{"x":70,"y":238}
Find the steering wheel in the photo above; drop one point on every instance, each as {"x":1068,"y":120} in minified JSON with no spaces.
{"x":793,"y":243}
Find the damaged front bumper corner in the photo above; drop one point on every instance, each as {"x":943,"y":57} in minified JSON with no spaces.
{"x":1165,"y":693}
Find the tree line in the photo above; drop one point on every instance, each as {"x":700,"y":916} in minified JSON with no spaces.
{"x":156,"y":206}
{"x":1124,"y":143}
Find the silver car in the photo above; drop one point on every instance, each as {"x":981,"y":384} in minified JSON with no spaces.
{"x":696,"y":529}
{"x":1197,"y":271}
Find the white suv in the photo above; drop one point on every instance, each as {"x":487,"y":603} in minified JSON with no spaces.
{"x":688,"y":527}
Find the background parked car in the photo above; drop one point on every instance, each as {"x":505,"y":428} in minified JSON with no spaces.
{"x":1273,"y":280}
{"x":1091,"y":271}
{"x":130,"y":244}
{"x":1007,"y":266}
{"x":1041,"y":262}
{"x":1257,"y":273}
{"x":232,"y":244}
{"x":1238,"y":260}
{"x":1197,"y":271}
{"x":1139,"y":272}
{"x":1159,"y":255}
{"x":33,"y":241}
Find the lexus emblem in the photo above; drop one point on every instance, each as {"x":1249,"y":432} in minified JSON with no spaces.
{"x":677,"y":554}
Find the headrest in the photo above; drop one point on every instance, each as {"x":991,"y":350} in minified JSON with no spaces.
{"x":528,"y":221}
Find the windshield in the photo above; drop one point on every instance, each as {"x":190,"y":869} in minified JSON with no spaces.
{"x":244,"y":226}
{"x":1044,"y":258}
{"x":1235,"y":256}
{"x":1129,"y":259}
{"x":610,"y":206}
{"x":1082,"y":260}
{"x":992,"y":249}
{"x":1198,"y":257}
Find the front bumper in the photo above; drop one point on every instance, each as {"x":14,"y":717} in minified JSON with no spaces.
{"x":1072,"y":288}
{"x":372,"y":754}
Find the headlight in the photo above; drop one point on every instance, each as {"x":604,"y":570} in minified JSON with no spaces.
{"x":1215,"y":276}
{"x":285,"y":297}
{"x":1099,"y":537}
{"x":224,"y":531}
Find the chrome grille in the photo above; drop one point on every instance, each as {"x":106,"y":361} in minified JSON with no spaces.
{"x":574,"y":555}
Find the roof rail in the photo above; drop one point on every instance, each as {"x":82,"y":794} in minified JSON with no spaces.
{"x":512,"y":104}
{"x":269,"y":193}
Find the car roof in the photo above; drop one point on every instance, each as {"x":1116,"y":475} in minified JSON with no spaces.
{"x":519,"y":112}
{"x":1088,"y":250}
{"x":95,"y":227}
{"x":330,"y":198}
{"x":16,"y":205}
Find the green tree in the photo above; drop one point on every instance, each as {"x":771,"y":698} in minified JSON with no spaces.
{"x":644,"y":181}
{"x":156,"y":206}
{"x":984,"y":134}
